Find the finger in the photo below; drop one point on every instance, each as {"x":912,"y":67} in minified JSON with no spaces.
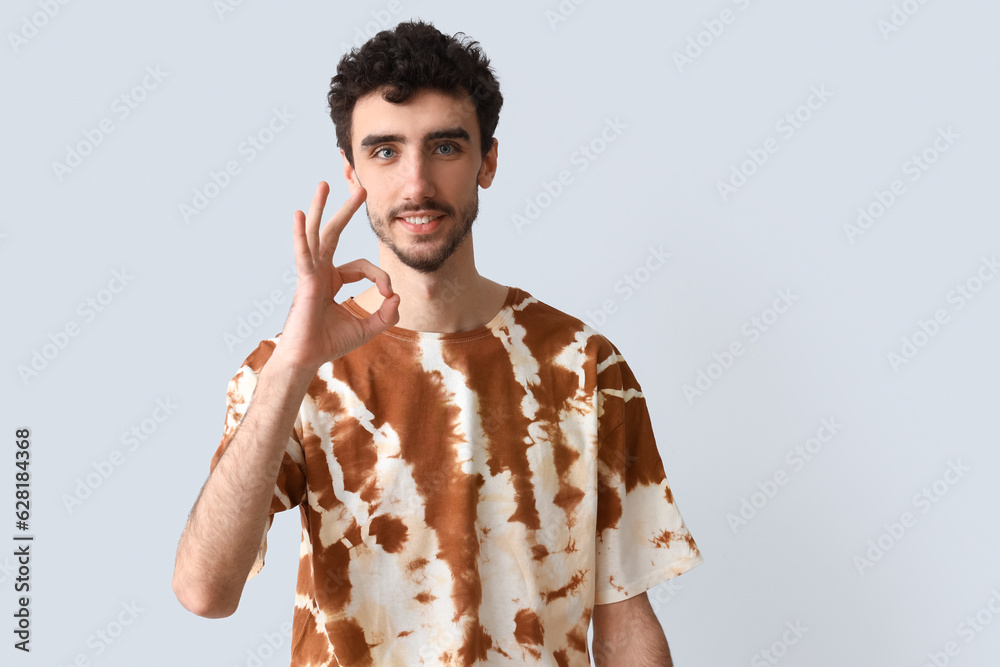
{"x":330,"y":236}
{"x":386,"y":316}
{"x":303,"y":258}
{"x":354,"y":271}
{"x":315,"y":215}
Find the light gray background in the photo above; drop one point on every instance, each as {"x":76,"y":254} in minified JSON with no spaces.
{"x":655,"y":185}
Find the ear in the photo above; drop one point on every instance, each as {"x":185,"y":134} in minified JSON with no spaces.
{"x":489,"y":168}
{"x":350,"y":175}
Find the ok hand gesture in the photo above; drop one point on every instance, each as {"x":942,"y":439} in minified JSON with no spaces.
{"x":318,"y":329}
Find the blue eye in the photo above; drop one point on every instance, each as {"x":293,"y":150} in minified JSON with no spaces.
{"x":379,"y":152}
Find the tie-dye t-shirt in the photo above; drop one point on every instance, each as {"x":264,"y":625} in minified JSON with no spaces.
{"x":467,"y":498}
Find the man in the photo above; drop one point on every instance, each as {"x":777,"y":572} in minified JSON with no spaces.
{"x":475,"y":470}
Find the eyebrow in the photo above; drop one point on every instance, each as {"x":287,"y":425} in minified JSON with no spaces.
{"x":447,"y":133}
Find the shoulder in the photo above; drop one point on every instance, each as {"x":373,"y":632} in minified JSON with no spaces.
{"x":255,"y":361}
{"x":540,"y":319}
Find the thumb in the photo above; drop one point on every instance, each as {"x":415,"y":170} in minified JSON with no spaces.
{"x":386,"y":316}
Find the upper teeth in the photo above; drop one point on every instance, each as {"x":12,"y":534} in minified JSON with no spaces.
{"x":422,"y":220}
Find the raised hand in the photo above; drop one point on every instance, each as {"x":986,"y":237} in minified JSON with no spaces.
{"x":318,"y":329}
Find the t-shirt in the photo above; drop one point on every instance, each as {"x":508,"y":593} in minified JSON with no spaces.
{"x":467,"y":498}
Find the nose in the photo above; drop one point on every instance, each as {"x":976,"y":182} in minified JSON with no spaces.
{"x":416,"y":174}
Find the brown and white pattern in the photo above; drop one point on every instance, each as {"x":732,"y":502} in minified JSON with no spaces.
{"x":467,"y":498}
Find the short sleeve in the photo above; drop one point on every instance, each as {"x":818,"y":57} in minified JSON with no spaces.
{"x":289,"y":488}
{"x":641,"y":538}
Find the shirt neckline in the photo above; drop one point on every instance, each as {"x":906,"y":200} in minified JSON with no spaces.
{"x":488,"y":329}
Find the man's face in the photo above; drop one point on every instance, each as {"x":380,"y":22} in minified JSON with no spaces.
{"x":420,"y":160}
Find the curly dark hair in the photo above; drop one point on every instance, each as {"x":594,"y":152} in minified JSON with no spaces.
{"x":413,"y":56}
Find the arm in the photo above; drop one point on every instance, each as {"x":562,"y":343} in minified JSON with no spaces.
{"x":223,"y":532}
{"x":628,"y":633}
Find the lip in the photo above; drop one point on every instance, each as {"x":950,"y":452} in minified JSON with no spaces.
{"x":421,"y":229}
{"x":419,"y":214}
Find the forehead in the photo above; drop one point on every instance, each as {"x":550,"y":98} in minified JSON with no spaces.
{"x":426,"y":111}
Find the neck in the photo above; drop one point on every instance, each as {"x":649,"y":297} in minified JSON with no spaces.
{"x":454,"y":298}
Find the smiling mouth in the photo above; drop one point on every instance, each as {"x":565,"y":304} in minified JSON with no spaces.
{"x":420,"y":224}
{"x":420,"y":219}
